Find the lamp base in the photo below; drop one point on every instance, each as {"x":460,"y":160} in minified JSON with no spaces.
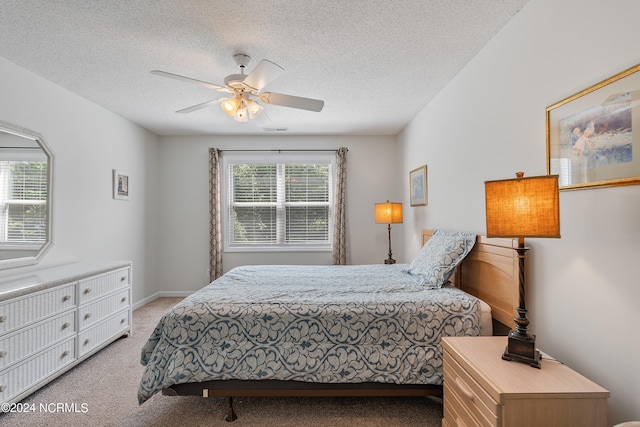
{"x":522,"y":349}
{"x":389,"y":261}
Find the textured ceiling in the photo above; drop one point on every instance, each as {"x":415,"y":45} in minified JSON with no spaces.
{"x":375,"y":63}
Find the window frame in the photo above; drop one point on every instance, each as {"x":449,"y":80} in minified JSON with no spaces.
{"x":274,"y":159}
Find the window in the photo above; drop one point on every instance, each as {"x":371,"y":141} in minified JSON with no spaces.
{"x":23,"y":197}
{"x":278,"y":201}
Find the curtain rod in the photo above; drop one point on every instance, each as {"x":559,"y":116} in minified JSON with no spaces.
{"x":280,"y":150}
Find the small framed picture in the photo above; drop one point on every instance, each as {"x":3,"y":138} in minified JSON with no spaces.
{"x":418,"y":186}
{"x":120,"y":185}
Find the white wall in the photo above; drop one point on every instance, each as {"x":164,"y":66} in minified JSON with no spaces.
{"x":88,"y":142}
{"x":488,"y":123}
{"x":184,"y":208}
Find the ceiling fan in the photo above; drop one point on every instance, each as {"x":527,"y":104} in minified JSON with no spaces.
{"x":244,"y":89}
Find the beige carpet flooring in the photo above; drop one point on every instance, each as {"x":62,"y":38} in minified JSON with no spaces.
{"x":104,"y":389}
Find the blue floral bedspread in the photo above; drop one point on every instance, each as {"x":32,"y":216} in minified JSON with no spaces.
{"x":324,"y":324}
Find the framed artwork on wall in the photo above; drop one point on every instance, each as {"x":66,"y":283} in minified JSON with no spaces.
{"x":120,"y":185}
{"x":418,"y":186}
{"x":593,"y":136}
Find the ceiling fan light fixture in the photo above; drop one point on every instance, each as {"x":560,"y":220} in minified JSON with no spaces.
{"x":254,"y":108}
{"x":242,"y":115}
{"x":231,"y":106}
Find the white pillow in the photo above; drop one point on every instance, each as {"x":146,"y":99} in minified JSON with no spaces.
{"x":438,"y":258}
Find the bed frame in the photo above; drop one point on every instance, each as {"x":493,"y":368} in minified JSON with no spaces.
{"x":489,"y":272}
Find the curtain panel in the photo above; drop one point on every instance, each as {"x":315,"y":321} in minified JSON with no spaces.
{"x":215,"y":215}
{"x":340,"y":214}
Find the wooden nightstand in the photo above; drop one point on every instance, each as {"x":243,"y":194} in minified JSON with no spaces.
{"x":481,"y":389}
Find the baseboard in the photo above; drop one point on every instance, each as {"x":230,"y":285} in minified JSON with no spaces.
{"x":168,"y":294}
{"x":144,"y":301}
{"x":175,"y":294}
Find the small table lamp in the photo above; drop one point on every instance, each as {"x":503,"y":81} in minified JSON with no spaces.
{"x":523,"y":207}
{"x":388,"y":213}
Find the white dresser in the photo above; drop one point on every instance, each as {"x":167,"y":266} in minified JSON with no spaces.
{"x":54,"y":318}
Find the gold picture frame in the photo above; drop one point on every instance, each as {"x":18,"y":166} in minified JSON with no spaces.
{"x":590,"y":138}
{"x":418,"y":186}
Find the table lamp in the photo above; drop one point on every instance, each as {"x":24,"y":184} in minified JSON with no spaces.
{"x":388,"y":213}
{"x":519,"y":208}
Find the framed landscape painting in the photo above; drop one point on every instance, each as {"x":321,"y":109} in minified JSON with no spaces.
{"x":418,"y":186}
{"x":593,"y":137}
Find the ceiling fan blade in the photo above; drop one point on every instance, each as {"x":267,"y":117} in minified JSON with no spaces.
{"x":292,"y":101}
{"x":200,"y":106}
{"x":263,"y":74}
{"x":190,"y":80}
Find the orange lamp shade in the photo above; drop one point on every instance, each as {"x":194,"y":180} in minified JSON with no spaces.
{"x":523,"y":207}
{"x":387,"y":213}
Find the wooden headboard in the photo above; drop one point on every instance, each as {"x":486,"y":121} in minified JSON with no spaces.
{"x":490,"y":272}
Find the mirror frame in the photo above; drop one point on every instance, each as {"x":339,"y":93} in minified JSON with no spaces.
{"x":34,"y":136}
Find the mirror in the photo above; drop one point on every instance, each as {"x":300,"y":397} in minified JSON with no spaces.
{"x":26,"y":171}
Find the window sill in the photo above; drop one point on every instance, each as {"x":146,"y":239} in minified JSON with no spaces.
{"x":279,"y":249}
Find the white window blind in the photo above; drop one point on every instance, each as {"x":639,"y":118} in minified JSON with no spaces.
{"x":23,"y":196}
{"x":279,"y":201}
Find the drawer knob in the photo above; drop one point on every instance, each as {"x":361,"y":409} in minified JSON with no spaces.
{"x":123,"y":278}
{"x":3,"y":318}
{"x":88,"y":315}
{"x":122,"y":321}
{"x":3,"y":353}
{"x":66,"y":298}
{"x":64,"y":354}
{"x":124,"y":299}
{"x":465,"y":389}
{"x":2,"y":388}
{"x":65,"y":325}
{"x":87,"y":291}
{"x":86,"y":341}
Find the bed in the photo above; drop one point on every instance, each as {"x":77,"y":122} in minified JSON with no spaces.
{"x":342,"y":331}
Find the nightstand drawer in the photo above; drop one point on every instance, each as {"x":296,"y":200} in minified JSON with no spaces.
{"x":456,"y":414}
{"x":472,"y":396}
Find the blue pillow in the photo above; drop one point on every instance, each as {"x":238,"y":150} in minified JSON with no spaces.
{"x":439,"y":257}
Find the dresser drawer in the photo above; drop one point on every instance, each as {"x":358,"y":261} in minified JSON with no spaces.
{"x":102,"y":332}
{"x":33,"y":307}
{"x":471,"y":395}
{"x":21,"y":377}
{"x":29,"y":340}
{"x":100,"y":309}
{"x":96,"y":286}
